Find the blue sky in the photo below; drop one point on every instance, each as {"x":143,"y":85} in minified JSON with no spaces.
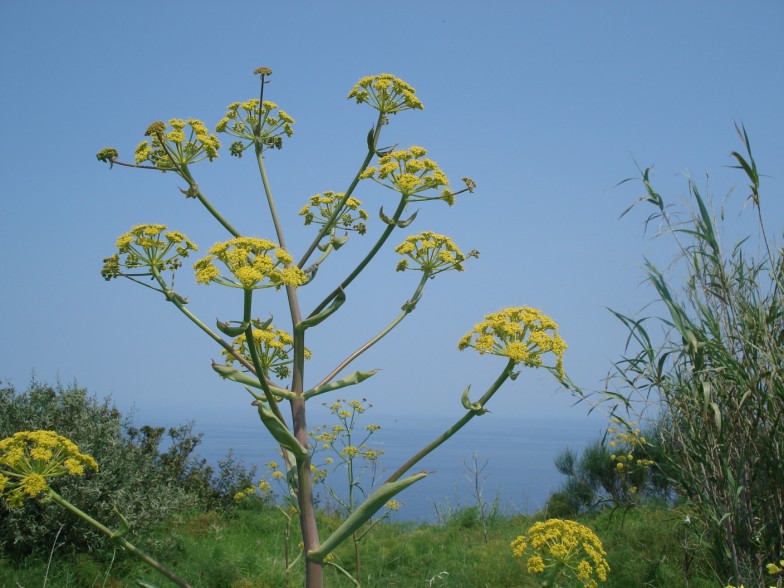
{"x":546,"y":105}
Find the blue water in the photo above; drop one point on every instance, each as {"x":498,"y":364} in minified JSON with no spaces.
{"x":516,"y":457}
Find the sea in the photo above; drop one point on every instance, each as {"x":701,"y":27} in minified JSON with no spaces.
{"x":495,"y":460}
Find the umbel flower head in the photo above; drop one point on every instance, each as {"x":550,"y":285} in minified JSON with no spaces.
{"x":320,"y":209}
{"x":385,"y":93}
{"x":184,"y":143}
{"x":148,"y":246}
{"x":29,"y":459}
{"x":432,"y":253}
{"x":522,"y":334}
{"x":273,"y":346}
{"x":409,"y":172}
{"x":253,"y":264}
{"x":252,"y":122}
{"x":565,"y":547}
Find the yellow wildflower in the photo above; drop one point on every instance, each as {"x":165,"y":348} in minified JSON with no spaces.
{"x":385,"y":93}
{"x":522,"y":334}
{"x":406,"y":172}
{"x":274,"y":348}
{"x":565,"y":545}
{"x":432,"y":253}
{"x":392,"y":505}
{"x":149,"y":247}
{"x":254,"y":263}
{"x":171,"y":150}
{"x":332,"y":207}
{"x":29,"y":459}
{"x":255,"y":123}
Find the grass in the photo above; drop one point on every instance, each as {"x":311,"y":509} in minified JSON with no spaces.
{"x":243,"y":548}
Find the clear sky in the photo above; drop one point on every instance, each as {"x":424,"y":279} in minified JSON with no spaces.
{"x":546,"y":105}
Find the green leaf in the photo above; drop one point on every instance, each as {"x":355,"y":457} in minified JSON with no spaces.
{"x":364,"y":512}
{"x":398,"y":223}
{"x":280,"y":431}
{"x":474,"y":407}
{"x":338,"y":242}
{"x":312,"y":321}
{"x":349,"y":380}
{"x":246,"y":379}
{"x":123,"y":529}
{"x":227,"y":329}
{"x":404,"y":223}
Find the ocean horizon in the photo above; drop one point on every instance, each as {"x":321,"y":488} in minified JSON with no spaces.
{"x":514,"y":456}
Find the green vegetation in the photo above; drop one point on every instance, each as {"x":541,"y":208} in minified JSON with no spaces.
{"x":148,"y":484}
{"x":243,"y":548}
{"x":695,"y":499}
{"x":197,"y":530}
{"x":716,"y":376}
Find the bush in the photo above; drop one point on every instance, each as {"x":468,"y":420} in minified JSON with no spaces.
{"x":146,"y":486}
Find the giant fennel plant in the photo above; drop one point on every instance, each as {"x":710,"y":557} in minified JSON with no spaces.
{"x":258,"y":355}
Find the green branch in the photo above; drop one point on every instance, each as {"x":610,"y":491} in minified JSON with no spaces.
{"x":457,"y":426}
{"x":116,"y":537}
{"x":372,"y":143}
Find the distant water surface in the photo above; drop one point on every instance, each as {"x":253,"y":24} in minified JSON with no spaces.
{"x":517,"y":457}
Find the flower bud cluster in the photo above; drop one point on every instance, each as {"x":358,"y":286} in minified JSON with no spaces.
{"x":170,"y":149}
{"x":320,"y":208}
{"x":148,"y":246}
{"x":254,"y":122}
{"x":385,"y":93}
{"x":274,"y":348}
{"x":431,"y":253}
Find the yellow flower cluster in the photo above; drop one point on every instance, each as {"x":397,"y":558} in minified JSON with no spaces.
{"x":252,"y":122}
{"x":522,"y":334}
{"x":340,"y":438}
{"x":148,"y":246}
{"x":254,"y":263}
{"x":431,"y":253}
{"x":566,"y":547}
{"x":409,"y":172}
{"x":171,"y":148}
{"x":273,"y":346}
{"x":320,"y":208}
{"x":263,"y":487}
{"x":627,"y":440}
{"x":29,"y":458}
{"x":385,"y":93}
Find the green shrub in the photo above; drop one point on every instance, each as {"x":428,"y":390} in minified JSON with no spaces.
{"x":147,"y":486}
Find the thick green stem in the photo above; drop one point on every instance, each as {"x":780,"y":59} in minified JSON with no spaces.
{"x":314,"y":570}
{"x":408,"y":307}
{"x":338,"y":209}
{"x":113,"y":536}
{"x":454,"y":428}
